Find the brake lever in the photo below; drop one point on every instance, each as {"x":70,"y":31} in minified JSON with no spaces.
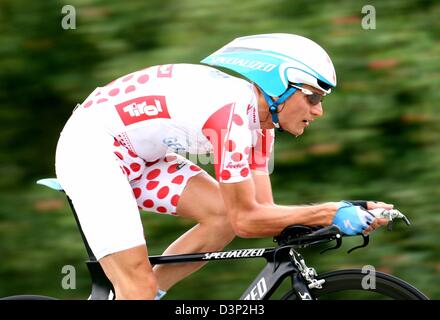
{"x":363,"y":245}
{"x":338,"y":244}
{"x":391,"y":215}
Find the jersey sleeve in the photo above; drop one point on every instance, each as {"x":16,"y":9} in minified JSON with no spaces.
{"x":231,"y":138}
{"x":261,"y":151}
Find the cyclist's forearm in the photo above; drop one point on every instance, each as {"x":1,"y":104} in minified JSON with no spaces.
{"x":270,"y":220}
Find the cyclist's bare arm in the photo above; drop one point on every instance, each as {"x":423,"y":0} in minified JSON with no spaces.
{"x":263,"y":187}
{"x":249,"y":218}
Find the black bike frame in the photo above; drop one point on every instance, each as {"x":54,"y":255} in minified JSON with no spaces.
{"x":278,"y":267}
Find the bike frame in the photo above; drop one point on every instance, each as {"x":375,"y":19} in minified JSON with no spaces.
{"x":278,"y":267}
{"x":263,"y":286}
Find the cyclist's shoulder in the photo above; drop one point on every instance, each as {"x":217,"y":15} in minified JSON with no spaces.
{"x":211,"y":84}
{"x":204,"y":72}
{"x":189,"y":79}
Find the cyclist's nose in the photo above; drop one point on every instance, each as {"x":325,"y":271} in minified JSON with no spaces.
{"x":317,"y":110}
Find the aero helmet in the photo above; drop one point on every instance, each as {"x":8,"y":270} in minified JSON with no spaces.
{"x":272,"y":61}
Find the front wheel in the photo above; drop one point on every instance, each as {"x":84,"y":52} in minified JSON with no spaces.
{"x":349,"y":284}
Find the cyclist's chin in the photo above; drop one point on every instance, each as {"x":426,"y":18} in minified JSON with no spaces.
{"x":295,"y":131}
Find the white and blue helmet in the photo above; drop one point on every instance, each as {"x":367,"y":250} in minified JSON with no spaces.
{"x":273,"y":60}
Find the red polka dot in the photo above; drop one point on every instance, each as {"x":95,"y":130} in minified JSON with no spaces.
{"x":178,"y":179}
{"x":152,"y":184}
{"x":244,"y":172}
{"x":170,"y":158}
{"x":137,"y":192}
{"x":194,"y":168}
{"x":127,"y":171}
{"x":102,"y":100}
{"x":237,"y":156}
{"x":127,"y":78}
{"x":143,"y":78}
{"x":149,"y":164}
{"x":131,"y":153}
{"x":230,"y":145}
{"x":237,"y":119}
{"x":98,"y":94}
{"x":135,"y":167}
{"x":148,"y":203}
{"x":153,"y":174}
{"x":247,"y":150}
{"x":119,"y":155}
{"x":130,"y":89}
{"x":138,"y":178}
{"x":225,"y":175}
{"x":172,"y":168}
{"x":88,"y":104}
{"x":116,"y":143}
{"x":113,"y":92}
{"x":161,"y":209}
{"x":123,"y":171}
{"x":175,"y":200}
{"x":163,"y":192}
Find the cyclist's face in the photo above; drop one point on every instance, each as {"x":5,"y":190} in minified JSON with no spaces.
{"x":297,"y":112}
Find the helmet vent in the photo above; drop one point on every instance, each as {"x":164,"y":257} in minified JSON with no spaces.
{"x":324,"y":85}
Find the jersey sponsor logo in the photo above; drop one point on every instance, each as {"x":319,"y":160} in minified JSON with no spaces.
{"x":244,"y":253}
{"x":232,"y":165}
{"x":174,"y":144}
{"x":348,"y":225}
{"x":246,"y":63}
{"x":165,"y":71}
{"x":254,"y":115}
{"x":142,"y":108}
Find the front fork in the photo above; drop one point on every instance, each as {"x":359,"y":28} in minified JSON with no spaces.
{"x":304,"y":278}
{"x":291,"y":265}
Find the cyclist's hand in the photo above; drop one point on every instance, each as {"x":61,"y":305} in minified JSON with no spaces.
{"x":376,"y":205}
{"x":378,"y":222}
{"x":352,"y":220}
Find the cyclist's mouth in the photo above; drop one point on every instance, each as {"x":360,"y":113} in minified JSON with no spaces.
{"x":306,"y":122}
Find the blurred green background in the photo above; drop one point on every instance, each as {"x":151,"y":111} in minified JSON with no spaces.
{"x":379,"y":138}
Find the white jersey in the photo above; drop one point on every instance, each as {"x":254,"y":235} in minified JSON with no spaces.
{"x":185,"y":108}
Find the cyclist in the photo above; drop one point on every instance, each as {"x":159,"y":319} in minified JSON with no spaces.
{"x":119,"y":152}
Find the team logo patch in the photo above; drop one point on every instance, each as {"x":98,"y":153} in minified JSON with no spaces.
{"x":142,"y":108}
